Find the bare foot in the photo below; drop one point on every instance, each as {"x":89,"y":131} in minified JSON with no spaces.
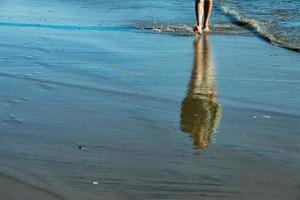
{"x":197,"y":29}
{"x":206,"y":29}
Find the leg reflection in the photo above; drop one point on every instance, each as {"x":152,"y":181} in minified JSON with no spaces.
{"x":200,"y":113}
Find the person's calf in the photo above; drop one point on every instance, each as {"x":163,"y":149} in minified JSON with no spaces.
{"x":207,"y":12}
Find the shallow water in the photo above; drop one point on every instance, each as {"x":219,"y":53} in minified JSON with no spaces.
{"x":277,"y":22}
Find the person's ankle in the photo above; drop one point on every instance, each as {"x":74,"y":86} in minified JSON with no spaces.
{"x":198,"y":29}
{"x":206,"y":27}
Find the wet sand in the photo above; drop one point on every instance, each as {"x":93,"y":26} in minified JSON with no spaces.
{"x":126,"y":114}
{"x":15,"y":189}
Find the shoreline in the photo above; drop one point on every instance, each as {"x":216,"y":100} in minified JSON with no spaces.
{"x":172,"y":30}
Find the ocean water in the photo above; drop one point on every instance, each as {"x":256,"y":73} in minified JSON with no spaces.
{"x":276,"y":21}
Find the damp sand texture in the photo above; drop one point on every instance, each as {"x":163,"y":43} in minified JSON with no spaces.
{"x":96,"y":108}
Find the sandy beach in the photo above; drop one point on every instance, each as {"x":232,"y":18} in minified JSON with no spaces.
{"x":112,"y":112}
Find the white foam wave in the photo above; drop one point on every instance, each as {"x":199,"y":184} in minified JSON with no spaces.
{"x":257,"y":27}
{"x":174,"y":29}
{"x":187,"y":30}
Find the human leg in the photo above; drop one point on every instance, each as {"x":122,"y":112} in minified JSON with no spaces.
{"x":199,"y":16}
{"x":207,"y":12}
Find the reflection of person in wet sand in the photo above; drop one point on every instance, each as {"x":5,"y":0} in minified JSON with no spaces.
{"x":200,"y":113}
